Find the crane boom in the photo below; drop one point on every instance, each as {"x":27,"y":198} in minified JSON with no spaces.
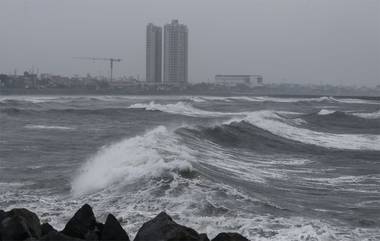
{"x":112,"y":60}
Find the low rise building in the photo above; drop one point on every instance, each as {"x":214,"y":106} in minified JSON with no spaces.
{"x":239,"y":80}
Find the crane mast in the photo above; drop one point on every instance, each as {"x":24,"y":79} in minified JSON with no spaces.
{"x":111,"y":60}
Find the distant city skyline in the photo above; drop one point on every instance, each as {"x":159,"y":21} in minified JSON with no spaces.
{"x":294,"y":41}
{"x":175,"y":49}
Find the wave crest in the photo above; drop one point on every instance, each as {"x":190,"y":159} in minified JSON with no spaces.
{"x":180,"y":108}
{"x":149,"y":155}
{"x":326,"y":112}
{"x":49,"y":127}
{"x":373,"y":115}
{"x":280,"y":126}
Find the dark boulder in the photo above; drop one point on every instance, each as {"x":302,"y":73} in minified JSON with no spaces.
{"x":163,"y":228}
{"x":99,"y":229}
{"x":229,"y":237}
{"x":46,"y":228}
{"x":19,"y":224}
{"x":14,"y":228}
{"x":91,"y":235}
{"x":83,"y":222}
{"x":2,"y":213}
{"x":57,"y":236}
{"x":112,"y":230}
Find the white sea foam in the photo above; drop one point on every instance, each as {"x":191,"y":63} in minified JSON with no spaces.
{"x":326,"y":112}
{"x":281,"y":100}
{"x":15,"y":184}
{"x":180,"y":108}
{"x":373,"y":115}
{"x":32,"y":99}
{"x":197,"y":99}
{"x":299,"y":121}
{"x":275,"y":124}
{"x":149,"y":155}
{"x":217,"y":98}
{"x":358,"y":101}
{"x":243,"y":98}
{"x":49,"y":127}
{"x":344,"y":180}
{"x":291,"y":100}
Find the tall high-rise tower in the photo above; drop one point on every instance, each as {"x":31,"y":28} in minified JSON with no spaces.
{"x":175,"y":53}
{"x":153,"y":53}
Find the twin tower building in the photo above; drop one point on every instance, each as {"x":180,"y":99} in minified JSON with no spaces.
{"x":175,"y":54}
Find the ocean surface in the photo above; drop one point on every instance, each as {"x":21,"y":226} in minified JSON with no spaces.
{"x":269,"y":168}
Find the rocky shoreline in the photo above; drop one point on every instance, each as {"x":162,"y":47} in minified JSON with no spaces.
{"x":22,"y":224}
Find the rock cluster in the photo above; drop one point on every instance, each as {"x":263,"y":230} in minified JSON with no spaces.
{"x":22,"y":224}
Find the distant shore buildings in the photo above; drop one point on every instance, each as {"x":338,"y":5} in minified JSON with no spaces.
{"x":175,"y":69}
{"x":47,"y":84}
{"x":239,"y":80}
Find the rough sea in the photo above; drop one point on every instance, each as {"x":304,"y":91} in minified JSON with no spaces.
{"x":268,"y":168}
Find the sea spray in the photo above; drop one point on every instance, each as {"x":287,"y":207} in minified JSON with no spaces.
{"x":131,"y":159}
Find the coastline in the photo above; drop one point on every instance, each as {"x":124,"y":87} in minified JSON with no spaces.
{"x":123,"y":92}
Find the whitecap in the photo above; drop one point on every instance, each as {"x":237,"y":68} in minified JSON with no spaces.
{"x":179,"y":108}
{"x":49,"y":127}
{"x":372,"y":115}
{"x":326,"y":112}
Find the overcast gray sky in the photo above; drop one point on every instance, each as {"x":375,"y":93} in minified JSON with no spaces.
{"x":300,"y":41}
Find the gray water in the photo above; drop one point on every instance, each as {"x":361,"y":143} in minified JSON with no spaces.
{"x":269,"y":168}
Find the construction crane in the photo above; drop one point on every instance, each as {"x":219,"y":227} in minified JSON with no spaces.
{"x":112,"y":60}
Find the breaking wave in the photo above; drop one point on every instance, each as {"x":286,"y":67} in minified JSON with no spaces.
{"x":278,"y":125}
{"x":346,"y":122}
{"x":162,"y":152}
{"x":150,"y":155}
{"x":326,"y":112}
{"x":180,"y":108}
{"x":373,"y":115}
{"x":324,"y":99}
{"x":370,"y":115}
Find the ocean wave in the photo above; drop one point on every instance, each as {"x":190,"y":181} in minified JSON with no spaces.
{"x":323,"y":99}
{"x":347,"y":180}
{"x":364,"y":115}
{"x":180,"y":108}
{"x":26,"y":99}
{"x":196,"y":99}
{"x":358,"y":101}
{"x":296,"y":100}
{"x":49,"y":127}
{"x":336,"y":121}
{"x":268,"y":99}
{"x":274,"y":123}
{"x":149,"y":155}
{"x":373,"y":115}
{"x":242,"y":134}
{"x":73,"y":110}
